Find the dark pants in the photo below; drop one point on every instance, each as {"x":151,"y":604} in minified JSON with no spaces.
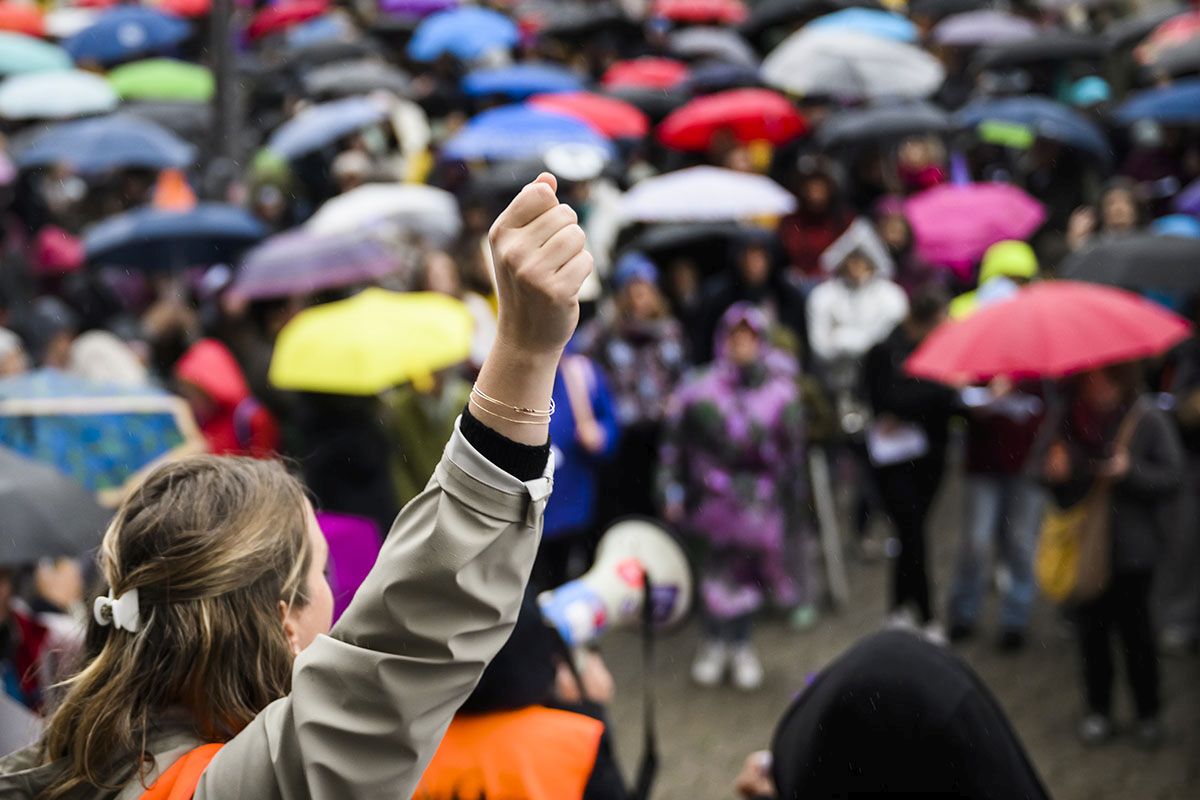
{"x":1125,"y":606}
{"x":907,"y":492}
{"x":627,"y":483}
{"x":552,"y":567}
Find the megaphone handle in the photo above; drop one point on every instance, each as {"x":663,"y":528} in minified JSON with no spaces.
{"x":648,"y":769}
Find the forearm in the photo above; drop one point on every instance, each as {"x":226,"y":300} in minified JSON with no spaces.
{"x":518,"y":378}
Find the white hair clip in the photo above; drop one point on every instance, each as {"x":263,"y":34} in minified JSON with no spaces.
{"x":122,"y":611}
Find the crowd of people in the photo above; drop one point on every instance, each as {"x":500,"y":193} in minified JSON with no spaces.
{"x":783,"y":201}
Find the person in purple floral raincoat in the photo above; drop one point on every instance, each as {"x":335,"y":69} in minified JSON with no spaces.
{"x":733,"y":475}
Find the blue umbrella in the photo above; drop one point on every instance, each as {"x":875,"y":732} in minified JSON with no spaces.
{"x":320,"y":125}
{"x":521,"y":80}
{"x":1048,"y":119}
{"x":150,"y":238}
{"x":103,"y":143}
{"x":1177,"y":103}
{"x":126,"y":33}
{"x":883,"y":24}
{"x":466,"y":33}
{"x":1177,"y":225}
{"x":515,"y":132}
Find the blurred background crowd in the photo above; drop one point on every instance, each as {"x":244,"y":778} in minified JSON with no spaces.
{"x":843,"y":249}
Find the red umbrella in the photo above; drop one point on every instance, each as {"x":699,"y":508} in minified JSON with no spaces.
{"x":21,"y":19}
{"x":1172,"y":33}
{"x":645,"y":73}
{"x":614,"y":118}
{"x":1048,"y":330}
{"x":185,"y":8}
{"x":749,"y":114}
{"x":283,"y":16}
{"x":719,"y":12}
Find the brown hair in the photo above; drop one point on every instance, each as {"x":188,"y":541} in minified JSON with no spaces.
{"x":212,"y":545}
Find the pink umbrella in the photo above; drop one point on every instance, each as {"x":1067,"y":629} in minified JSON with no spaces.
{"x":954,"y":224}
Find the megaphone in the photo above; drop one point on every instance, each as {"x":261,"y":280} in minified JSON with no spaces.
{"x":612,"y":594}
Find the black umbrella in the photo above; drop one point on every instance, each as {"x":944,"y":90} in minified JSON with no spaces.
{"x":886,"y":122}
{"x":1046,"y":48}
{"x":776,"y":13}
{"x":46,"y":514}
{"x":654,"y":103}
{"x":1140,"y":261}
{"x":1177,"y":61}
{"x":191,"y":121}
{"x":319,"y":53}
{"x":582,"y":20}
{"x":1127,"y":31}
{"x":936,"y":9}
{"x":343,"y":78}
{"x":708,"y":245}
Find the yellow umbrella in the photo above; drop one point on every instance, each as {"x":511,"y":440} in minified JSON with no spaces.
{"x":371,"y":342}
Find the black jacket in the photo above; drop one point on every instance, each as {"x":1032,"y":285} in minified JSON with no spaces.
{"x":894,"y":392}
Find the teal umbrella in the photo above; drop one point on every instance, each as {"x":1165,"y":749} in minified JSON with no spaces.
{"x":21,"y":54}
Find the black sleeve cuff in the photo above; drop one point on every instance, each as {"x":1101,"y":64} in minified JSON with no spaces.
{"x":524,"y":462}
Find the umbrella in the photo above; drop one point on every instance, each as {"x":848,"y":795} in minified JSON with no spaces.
{"x":371,"y":342}
{"x":56,"y":95}
{"x":1188,"y":200}
{"x":1125,"y":30}
{"x":1176,"y":103}
{"x":46,"y":514}
{"x":162,"y":79}
{"x":519,"y":81}
{"x":707,"y":245}
{"x":1173,"y":32}
{"x":284,"y":15}
{"x":66,"y":21}
{"x":1044,"y":117}
{"x":404,"y":208}
{"x":1138,"y":261}
{"x":884,"y":24}
{"x":514,"y":132}
{"x":467,"y":33}
{"x":1181,"y":225}
{"x":985,"y":26}
{"x":188,"y":121}
{"x":746,"y":114}
{"x":1048,"y":330}
{"x":882,"y":123}
{"x":313,"y":55}
{"x":954,"y":224}
{"x":654,"y":103}
{"x":716,"y":12}
{"x":21,"y":54}
{"x":645,"y":73}
{"x":185,"y":8}
{"x":1047,"y":47}
{"x":103,"y":143}
{"x":21,"y":18}
{"x":104,"y":437}
{"x":577,"y":20}
{"x":715,"y":76}
{"x":719,"y":44}
{"x":611,"y":117}
{"x":416,"y":9}
{"x":126,"y":33}
{"x":344,"y":78}
{"x":769,"y":14}
{"x":320,"y":29}
{"x":152,"y":239}
{"x":705,"y":194}
{"x":852,"y":65}
{"x":1181,"y":60}
{"x":300,"y":262}
{"x":323,"y":124}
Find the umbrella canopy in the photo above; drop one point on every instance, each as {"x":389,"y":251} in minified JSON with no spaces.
{"x":185,"y":8}
{"x":709,"y":12}
{"x":578,"y":20}
{"x":939,"y":9}
{"x":103,"y":143}
{"x":705,"y":194}
{"x":645,"y":73}
{"x":153,"y":239}
{"x":746,"y":114}
{"x":1139,"y":261}
{"x":953,"y":225}
{"x":299,"y":262}
{"x":1048,"y":330}
{"x":323,"y":124}
{"x":768,"y":14}
{"x":519,"y":81}
{"x":56,"y":95}
{"x":1183,"y":59}
{"x":1045,"y":118}
{"x":189,"y":121}
{"x":1188,"y":200}
{"x":162,"y":79}
{"x":284,"y":15}
{"x":417,"y":9}
{"x":402,"y":208}
{"x":467,"y":33}
{"x":1176,"y":103}
{"x":611,"y":117}
{"x":884,"y":24}
{"x":514,"y":132}
{"x":986,"y":26}
{"x":46,"y":514}
{"x":1124,"y":31}
{"x":20,"y":54}
{"x":715,"y":76}
{"x":719,"y":44}
{"x":882,"y":123}
{"x":1045,"y":48}
{"x":1181,"y":225}
{"x":1173,"y":32}
{"x":104,"y":437}
{"x":371,"y":342}
{"x":126,"y":33}
{"x":21,"y":18}
{"x":66,"y":21}
{"x":851,"y":65}
{"x":363,"y":76}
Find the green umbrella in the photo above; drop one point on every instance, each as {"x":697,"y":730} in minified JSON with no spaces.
{"x":162,"y":79}
{"x":20,"y":54}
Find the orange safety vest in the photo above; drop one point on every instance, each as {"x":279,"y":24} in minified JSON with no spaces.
{"x":535,"y":753}
{"x":181,"y":778}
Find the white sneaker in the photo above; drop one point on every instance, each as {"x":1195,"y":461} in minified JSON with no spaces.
{"x":934,"y":633}
{"x":747,"y":669}
{"x":712,"y":659}
{"x":902,"y":619}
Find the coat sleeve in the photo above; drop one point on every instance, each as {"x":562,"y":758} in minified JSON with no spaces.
{"x":371,"y":701}
{"x":1156,"y":458}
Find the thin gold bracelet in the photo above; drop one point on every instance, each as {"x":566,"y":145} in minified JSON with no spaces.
{"x":479,"y":407}
{"x":533,"y":412}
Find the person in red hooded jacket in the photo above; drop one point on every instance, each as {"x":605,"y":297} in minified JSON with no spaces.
{"x":232,"y":420}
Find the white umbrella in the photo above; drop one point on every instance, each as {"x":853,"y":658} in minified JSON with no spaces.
{"x":66,"y":21}
{"x":705,"y":194}
{"x":56,"y":95}
{"x":408,"y":207}
{"x":849,"y":64}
